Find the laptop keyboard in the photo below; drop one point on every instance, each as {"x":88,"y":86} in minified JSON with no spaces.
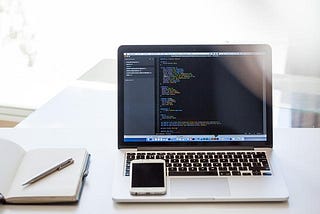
{"x":237,"y":163}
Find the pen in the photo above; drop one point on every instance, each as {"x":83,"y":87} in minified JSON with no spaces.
{"x":53,"y":169}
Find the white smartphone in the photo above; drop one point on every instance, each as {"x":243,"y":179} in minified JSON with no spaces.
{"x":148,"y":177}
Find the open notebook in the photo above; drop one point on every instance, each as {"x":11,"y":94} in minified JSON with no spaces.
{"x":17,"y":166}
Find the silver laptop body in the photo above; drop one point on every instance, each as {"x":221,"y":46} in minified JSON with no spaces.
{"x":207,"y":110}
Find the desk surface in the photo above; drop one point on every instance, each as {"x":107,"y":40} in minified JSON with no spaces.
{"x":81,"y":105}
{"x":301,"y":172}
{"x":85,"y":115}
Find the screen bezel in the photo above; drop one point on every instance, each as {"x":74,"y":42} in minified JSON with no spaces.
{"x":194,"y":48}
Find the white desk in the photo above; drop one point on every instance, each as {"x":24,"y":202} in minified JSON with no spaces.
{"x":82,"y":105}
{"x":301,"y":173}
{"x":82,"y":116}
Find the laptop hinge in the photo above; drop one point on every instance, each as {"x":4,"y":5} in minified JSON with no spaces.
{"x":212,"y":148}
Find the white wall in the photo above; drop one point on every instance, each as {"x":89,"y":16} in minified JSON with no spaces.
{"x":67,"y":37}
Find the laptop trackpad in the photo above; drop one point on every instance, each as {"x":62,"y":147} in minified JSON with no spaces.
{"x":199,"y":187}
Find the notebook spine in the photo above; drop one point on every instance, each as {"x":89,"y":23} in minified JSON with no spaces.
{"x":2,"y":200}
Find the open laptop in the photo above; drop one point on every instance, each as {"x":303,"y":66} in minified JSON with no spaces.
{"x":207,"y":111}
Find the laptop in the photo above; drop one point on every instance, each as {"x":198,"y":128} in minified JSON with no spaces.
{"x":207,"y":111}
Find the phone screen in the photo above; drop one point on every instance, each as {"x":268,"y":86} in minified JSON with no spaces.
{"x":147,"y":175}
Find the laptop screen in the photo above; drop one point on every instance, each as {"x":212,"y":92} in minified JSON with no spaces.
{"x":201,"y":96}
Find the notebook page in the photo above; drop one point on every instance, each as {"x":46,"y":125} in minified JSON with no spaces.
{"x":11,"y":155}
{"x":63,"y":183}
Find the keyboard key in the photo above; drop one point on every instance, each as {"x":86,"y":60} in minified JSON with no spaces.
{"x":256,"y":173}
{"x":221,"y":153}
{"x":169,"y":156}
{"x":266,"y":168}
{"x":267,"y":173}
{"x":259,"y":155}
{"x":214,"y":160}
{"x":187,"y":164}
{"x":263,"y":160}
{"x":236,"y":173}
{"x":140,"y":157}
{"x":206,"y":156}
{"x":188,"y":173}
{"x":246,"y":173}
{"x":203,"y":169}
{"x":258,"y":168}
{"x":172,"y":169}
{"x":227,"y":156}
{"x":131,"y":157}
{"x":193,"y":169}
{"x":196,"y":164}
{"x":182,"y":169}
{"x":188,"y":156}
{"x":256,"y":164}
{"x":159,"y":156}
{"x":212,"y":168}
{"x":224,"y":173}
{"x":198,"y":156}
{"x":233,"y":168}
{"x":223,"y":168}
{"x":237,"y":156}
{"x":243,"y":168}
{"x":176,"y":164}
{"x":253,"y":160}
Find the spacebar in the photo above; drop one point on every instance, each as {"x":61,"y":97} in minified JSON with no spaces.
{"x":211,"y":173}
